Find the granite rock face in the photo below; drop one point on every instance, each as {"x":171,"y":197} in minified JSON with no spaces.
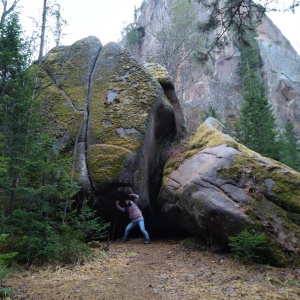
{"x":281,"y":74}
{"x":218,"y":84}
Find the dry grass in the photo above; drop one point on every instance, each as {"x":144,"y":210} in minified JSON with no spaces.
{"x":161,"y":270}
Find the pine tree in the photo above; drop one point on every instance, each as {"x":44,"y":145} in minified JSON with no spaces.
{"x":36,"y":190}
{"x":257,"y":121}
{"x":15,"y":99}
{"x":33,"y":176}
{"x":256,"y":127}
{"x":289,"y":154}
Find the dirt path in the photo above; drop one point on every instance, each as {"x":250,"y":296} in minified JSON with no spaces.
{"x":161,"y":270}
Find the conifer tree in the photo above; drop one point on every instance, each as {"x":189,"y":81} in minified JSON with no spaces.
{"x":289,"y":154}
{"x":15,"y":92}
{"x":33,"y":176}
{"x":36,"y":190}
{"x":257,"y":127}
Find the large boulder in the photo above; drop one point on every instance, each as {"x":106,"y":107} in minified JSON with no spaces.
{"x":215,"y":188}
{"x":110,"y":115}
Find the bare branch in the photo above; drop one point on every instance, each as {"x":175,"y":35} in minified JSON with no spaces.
{"x":7,"y":11}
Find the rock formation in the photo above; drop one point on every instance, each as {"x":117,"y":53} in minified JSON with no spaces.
{"x":217,"y":187}
{"x":109,"y":113}
{"x":118,"y":121}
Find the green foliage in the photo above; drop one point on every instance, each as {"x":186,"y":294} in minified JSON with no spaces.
{"x":5,"y":261}
{"x":132,"y":34}
{"x":60,"y":23}
{"x":5,"y":258}
{"x":47,"y":228}
{"x":132,"y":31}
{"x":256,"y":127}
{"x":14,"y":55}
{"x":257,"y":123}
{"x":248,"y":246}
{"x":288,"y":148}
{"x":292,"y":282}
{"x":41,"y":238}
{"x":37,"y":192}
{"x":16,"y":123}
{"x":211,"y":112}
{"x":6,"y":292}
{"x":90,"y":226}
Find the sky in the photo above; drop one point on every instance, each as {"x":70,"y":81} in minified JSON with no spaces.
{"x":106,"y":19}
{"x":102,"y":18}
{"x":289,"y":25}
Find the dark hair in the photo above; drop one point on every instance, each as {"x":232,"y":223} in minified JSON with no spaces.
{"x":122,"y":203}
{"x":127,"y":204}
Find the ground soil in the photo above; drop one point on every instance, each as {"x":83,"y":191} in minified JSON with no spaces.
{"x":164,"y":269}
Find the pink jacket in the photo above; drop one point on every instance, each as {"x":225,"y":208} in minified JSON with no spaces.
{"x":135,"y":214}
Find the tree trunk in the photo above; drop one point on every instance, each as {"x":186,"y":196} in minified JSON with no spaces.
{"x":43,"y":31}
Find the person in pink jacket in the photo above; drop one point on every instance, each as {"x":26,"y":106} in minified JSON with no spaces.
{"x":135,"y":216}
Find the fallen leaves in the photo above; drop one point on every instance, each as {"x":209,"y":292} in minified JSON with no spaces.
{"x":161,"y":270}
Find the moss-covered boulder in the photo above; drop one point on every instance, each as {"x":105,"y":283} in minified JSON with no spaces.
{"x":215,"y":188}
{"x":111,"y":116}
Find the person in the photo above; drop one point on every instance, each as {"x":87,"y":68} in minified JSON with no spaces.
{"x":135,"y":215}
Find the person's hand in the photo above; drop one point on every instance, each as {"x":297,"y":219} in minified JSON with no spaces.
{"x":118,"y":201}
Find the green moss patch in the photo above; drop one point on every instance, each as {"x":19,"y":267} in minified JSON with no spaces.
{"x":285,"y":190}
{"x":160,"y":74}
{"x":104,"y":162}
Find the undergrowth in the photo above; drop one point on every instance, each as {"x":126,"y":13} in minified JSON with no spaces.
{"x":249,"y":246}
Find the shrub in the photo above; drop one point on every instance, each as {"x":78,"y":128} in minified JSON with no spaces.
{"x":248,"y":246}
{"x":5,"y":262}
{"x":91,"y":227}
{"x":211,"y":112}
{"x":39,"y":239}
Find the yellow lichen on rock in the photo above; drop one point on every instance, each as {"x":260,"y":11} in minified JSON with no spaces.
{"x":105,"y":163}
